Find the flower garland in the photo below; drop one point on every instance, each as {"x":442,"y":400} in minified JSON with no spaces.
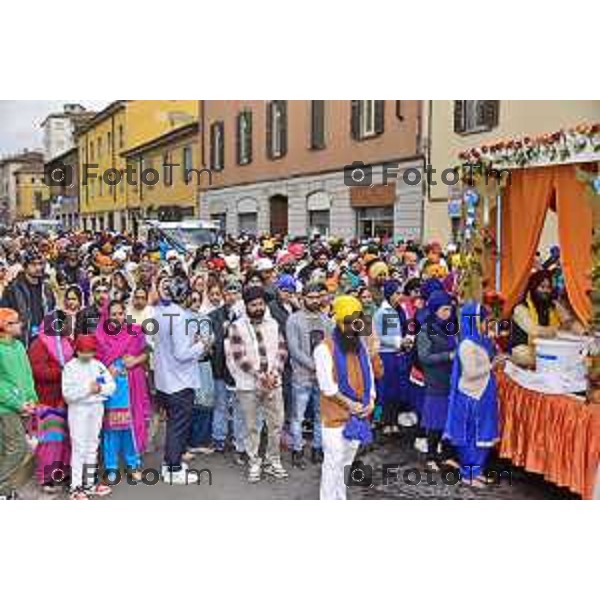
{"x":561,"y":145}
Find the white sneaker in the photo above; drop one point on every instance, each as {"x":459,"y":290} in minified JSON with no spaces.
{"x":275,"y":469}
{"x":407,"y":419}
{"x":254,"y":472}
{"x":421,"y":445}
{"x":181,"y":477}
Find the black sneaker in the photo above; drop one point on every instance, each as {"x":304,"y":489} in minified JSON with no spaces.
{"x":11,"y":495}
{"x":317,"y":456}
{"x":298,"y":459}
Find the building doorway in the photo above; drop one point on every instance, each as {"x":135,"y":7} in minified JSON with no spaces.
{"x":278,"y":205}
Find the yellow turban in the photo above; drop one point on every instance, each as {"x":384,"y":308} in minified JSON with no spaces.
{"x":378,"y":268}
{"x":345,"y":306}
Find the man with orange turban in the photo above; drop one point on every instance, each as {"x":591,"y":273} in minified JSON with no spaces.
{"x":17,"y":398}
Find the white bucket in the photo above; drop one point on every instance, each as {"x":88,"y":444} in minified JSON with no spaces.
{"x":564,"y":355}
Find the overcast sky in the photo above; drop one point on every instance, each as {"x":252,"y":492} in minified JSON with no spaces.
{"x":20,"y":121}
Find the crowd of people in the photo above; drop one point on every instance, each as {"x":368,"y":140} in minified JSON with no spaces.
{"x":253,"y":346}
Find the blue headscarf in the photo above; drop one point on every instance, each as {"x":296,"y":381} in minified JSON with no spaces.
{"x":390,"y":287}
{"x":445,"y":327}
{"x":431,"y":285}
{"x":462,"y":409}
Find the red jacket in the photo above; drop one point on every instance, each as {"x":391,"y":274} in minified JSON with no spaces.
{"x":47,"y":375}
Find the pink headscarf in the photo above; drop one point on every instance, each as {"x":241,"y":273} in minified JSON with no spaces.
{"x":59,"y":347}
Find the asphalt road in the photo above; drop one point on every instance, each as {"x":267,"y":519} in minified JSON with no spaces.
{"x":229,"y":480}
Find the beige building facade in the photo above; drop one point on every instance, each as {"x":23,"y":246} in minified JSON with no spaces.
{"x":450,"y":126}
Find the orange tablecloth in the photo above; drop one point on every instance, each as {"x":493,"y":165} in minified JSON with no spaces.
{"x":554,"y":435}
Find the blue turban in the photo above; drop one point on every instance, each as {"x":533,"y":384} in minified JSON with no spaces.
{"x":430,"y":286}
{"x":390,"y":287}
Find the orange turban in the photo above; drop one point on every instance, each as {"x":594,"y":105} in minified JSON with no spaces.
{"x":6,"y":316}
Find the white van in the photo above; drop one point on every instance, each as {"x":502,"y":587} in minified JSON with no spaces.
{"x":41,"y":226}
{"x":182,"y":235}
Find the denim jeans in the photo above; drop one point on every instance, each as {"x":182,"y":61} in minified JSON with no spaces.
{"x":303,"y":394}
{"x":201,"y":426}
{"x":225,"y":400}
{"x":179,"y":408}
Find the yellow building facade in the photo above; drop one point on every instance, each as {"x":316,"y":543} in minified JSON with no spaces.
{"x":169,"y":173}
{"x":110,"y":195}
{"x":31,"y":192}
{"x":450,"y":128}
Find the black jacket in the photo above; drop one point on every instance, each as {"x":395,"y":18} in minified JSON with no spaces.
{"x":280,"y":314}
{"x":434,"y":351}
{"x":221,"y":318}
{"x":32,"y":302}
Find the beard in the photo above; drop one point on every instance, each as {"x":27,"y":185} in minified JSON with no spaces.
{"x":543,"y":304}
{"x":349,"y":343}
{"x":257,"y":316}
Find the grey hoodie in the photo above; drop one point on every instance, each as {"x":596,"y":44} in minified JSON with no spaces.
{"x":304,"y":330}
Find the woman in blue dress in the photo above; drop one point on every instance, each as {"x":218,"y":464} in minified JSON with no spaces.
{"x":472,"y":424}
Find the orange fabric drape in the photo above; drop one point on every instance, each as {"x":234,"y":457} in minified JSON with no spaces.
{"x":575,"y":238}
{"x":556,"y":436}
{"x":524,"y":206}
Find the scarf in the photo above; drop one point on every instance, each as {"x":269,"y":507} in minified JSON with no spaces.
{"x":59,"y":347}
{"x":356,"y":428}
{"x":112,"y":346}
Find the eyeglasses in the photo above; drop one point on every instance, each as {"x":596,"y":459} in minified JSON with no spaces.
{"x":101,"y":290}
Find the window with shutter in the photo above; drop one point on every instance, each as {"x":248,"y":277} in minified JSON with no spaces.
{"x":269,"y":132}
{"x":244,"y":137}
{"x":367,"y":118}
{"x":168,"y":171}
{"x":187,"y":163}
{"x":276,"y":129}
{"x":379,"y":112}
{"x":355,"y":119}
{"x":217,"y":148}
{"x":238,"y":138}
{"x":221,"y":145}
{"x":475,"y":116}
{"x":283,"y":129}
{"x":399,"y":110}
{"x":317,"y":133}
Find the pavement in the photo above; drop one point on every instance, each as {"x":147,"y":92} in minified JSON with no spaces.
{"x":406,"y":466}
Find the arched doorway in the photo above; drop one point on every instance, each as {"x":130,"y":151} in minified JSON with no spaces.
{"x":278,"y":205}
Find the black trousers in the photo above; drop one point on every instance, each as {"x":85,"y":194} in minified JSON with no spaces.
{"x":446,"y":451}
{"x":178,"y":407}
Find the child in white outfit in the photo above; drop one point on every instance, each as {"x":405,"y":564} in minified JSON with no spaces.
{"x":86,"y":384}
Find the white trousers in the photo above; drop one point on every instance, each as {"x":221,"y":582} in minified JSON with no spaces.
{"x":85,"y":423}
{"x":338,"y":453}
